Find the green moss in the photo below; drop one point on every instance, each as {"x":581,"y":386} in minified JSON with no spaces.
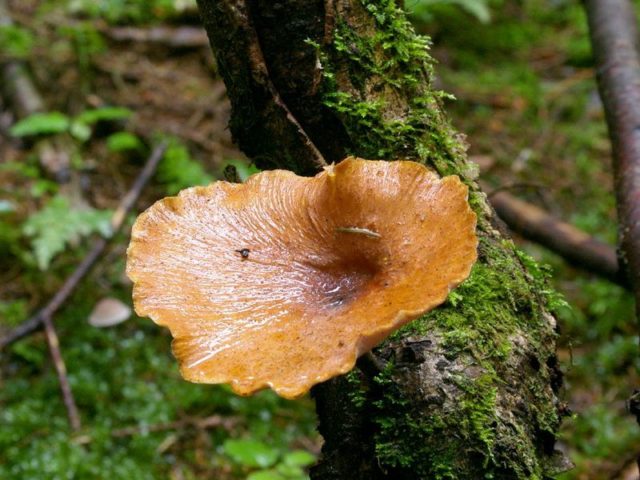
{"x":541,"y":275}
{"x":492,"y":304}
{"x":426,"y":445}
{"x":405,"y":440}
{"x":479,"y":407}
{"x":383,"y":65}
{"x":358,"y":392}
{"x":478,"y":320}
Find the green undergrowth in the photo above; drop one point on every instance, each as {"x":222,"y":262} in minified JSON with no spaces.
{"x":122,"y":377}
{"x":125,"y":377}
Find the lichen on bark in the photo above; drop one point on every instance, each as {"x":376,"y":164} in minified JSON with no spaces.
{"x":470,"y":389}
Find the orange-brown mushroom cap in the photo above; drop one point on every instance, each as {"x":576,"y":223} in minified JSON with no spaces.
{"x":284,"y":281}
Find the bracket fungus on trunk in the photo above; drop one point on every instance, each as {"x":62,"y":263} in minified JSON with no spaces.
{"x":284,"y":281}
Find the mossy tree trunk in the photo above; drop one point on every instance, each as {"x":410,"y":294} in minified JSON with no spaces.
{"x":470,"y":389}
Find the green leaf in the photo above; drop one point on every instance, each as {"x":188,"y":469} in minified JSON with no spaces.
{"x":41,"y":124}
{"x":29,"y":352}
{"x":42,"y":186}
{"x":178,"y":170}
{"x":13,"y":312}
{"x":123,"y":141}
{"x":58,"y":225}
{"x":477,"y":8}
{"x":251,"y":453}
{"x":15,"y":42}
{"x":299,"y":458}
{"x":104,"y":114}
{"x":291,"y":472}
{"x":265,"y":475}
{"x":80,"y":130}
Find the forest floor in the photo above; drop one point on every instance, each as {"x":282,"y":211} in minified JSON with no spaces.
{"x":526,"y":99}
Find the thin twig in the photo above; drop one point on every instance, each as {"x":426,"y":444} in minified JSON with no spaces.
{"x":176,"y":37}
{"x":214,"y":421}
{"x":94,"y":254}
{"x":61,"y":371}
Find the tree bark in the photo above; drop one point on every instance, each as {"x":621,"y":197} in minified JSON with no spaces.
{"x":470,"y":389}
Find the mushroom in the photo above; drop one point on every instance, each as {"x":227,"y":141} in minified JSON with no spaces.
{"x":109,"y":312}
{"x":284,"y":281}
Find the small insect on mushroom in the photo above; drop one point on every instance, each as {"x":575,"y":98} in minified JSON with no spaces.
{"x":244,"y":253}
{"x":359,"y":231}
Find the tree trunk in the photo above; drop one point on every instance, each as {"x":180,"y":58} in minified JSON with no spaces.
{"x":470,"y":389}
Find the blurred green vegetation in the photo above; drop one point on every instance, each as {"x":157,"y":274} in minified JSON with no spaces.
{"x":521,"y":72}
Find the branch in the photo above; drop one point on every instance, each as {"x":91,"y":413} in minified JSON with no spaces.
{"x":94,"y":254}
{"x":569,"y":242}
{"x":61,"y":371}
{"x":175,"y":37}
{"x":214,"y":421}
{"x":614,"y":34}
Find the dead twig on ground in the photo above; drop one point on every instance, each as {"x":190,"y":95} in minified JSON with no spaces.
{"x":61,"y":371}
{"x":214,"y":421}
{"x":174,"y":37}
{"x":571,"y":243}
{"x":94,"y":254}
{"x":20,"y":89}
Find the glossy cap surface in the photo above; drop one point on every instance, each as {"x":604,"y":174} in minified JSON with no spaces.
{"x":284,"y":281}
